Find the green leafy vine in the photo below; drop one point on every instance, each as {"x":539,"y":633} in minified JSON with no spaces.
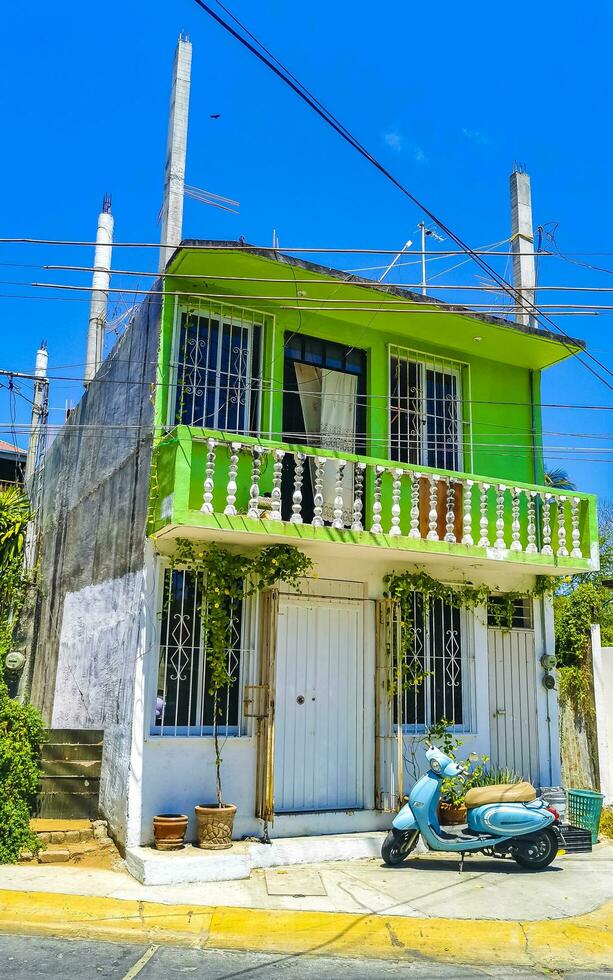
{"x":401,"y":586}
{"x":225,"y":578}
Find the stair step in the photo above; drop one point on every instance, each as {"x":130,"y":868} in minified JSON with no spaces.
{"x":74,"y":736}
{"x":78,"y":751}
{"x":71,"y":806}
{"x":80,"y":769}
{"x":68,"y":784}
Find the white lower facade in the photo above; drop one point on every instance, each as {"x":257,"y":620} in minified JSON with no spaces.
{"x":327,"y":707}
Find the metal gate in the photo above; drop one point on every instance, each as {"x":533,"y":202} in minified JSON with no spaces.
{"x":319,"y":705}
{"x":512,"y":701}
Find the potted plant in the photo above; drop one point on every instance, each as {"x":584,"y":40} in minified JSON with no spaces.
{"x":169,"y":831}
{"x":225,"y":579}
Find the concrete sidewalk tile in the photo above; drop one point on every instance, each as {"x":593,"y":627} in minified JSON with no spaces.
{"x":299,"y":882}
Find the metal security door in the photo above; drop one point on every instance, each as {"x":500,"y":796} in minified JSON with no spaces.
{"x":512,"y":700}
{"x":319,"y":710}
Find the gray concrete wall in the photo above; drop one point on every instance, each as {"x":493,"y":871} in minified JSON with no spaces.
{"x":93,"y":514}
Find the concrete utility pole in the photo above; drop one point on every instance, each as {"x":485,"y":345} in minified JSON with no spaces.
{"x":100,"y":283}
{"x":522,"y":241}
{"x":176,"y":149}
{"x":39,"y":404}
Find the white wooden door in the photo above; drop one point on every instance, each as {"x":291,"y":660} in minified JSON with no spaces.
{"x":319,"y":705}
{"x":512,"y":701}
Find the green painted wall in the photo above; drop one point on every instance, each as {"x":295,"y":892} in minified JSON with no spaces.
{"x":497,"y":381}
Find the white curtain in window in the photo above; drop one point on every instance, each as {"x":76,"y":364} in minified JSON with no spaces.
{"x":328,"y":401}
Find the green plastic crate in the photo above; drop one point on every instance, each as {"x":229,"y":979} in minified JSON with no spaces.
{"x":583,"y":809}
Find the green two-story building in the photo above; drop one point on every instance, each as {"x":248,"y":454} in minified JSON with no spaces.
{"x":378,"y":431}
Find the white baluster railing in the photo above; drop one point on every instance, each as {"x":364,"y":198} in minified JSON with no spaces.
{"x":318,"y":495}
{"x":230,"y":508}
{"x":484,"y":541}
{"x":450,"y":537}
{"x":376,"y":526}
{"x":516,"y":531}
{"x":415,"y":532}
{"x":515,"y":525}
{"x":499,"y":544}
{"x":467,"y":518}
{"x":576,"y":534}
{"x":531,"y":548}
{"x":275,"y":496}
{"x":358,"y":497}
{"x":432,"y":534}
{"x":546,"y":548}
{"x":253,"y":511}
{"x":395,"y":531}
{"x":296,"y":517}
{"x":562,"y":551}
{"x":338,"y":521}
{"x":209,"y":478}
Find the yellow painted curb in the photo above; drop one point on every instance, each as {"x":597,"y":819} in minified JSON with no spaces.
{"x":584,"y":941}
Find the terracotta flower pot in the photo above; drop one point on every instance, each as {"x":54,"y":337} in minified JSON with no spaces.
{"x":215,"y":826}
{"x":450,"y":813}
{"x":169,"y":831}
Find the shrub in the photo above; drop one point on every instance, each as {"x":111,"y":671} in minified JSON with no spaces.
{"x":21,"y":734}
{"x":606,"y":822}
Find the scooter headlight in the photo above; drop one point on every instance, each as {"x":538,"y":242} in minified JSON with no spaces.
{"x":435,"y":765}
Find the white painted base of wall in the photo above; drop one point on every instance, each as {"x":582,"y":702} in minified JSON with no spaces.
{"x":192,"y":865}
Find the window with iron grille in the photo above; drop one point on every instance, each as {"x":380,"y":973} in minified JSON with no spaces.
{"x":522,"y":617}
{"x":440,"y":656}
{"x":216,"y":369}
{"x":427,"y":427}
{"x":183,"y":703}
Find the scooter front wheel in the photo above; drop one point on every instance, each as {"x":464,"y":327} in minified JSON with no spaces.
{"x":538,"y":852}
{"x":396,"y":847}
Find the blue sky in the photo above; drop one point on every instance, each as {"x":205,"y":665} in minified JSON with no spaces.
{"x":447,"y":95}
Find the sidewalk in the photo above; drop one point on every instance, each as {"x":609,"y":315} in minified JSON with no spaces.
{"x":561,"y":917}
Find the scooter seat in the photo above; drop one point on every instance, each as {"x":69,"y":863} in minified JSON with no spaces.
{"x":501,"y":793}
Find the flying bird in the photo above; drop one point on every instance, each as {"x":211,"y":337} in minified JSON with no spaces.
{"x":216,"y":115}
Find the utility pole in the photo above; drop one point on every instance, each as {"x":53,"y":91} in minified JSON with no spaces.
{"x":176,"y":151}
{"x":39,"y":412}
{"x":522,"y":243}
{"x":426,"y":233}
{"x":100,"y":285}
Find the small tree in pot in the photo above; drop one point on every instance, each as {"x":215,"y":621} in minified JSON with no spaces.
{"x":225,"y":579}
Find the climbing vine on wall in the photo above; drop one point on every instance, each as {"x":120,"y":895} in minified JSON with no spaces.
{"x":401,"y":586}
{"x":225,"y":578}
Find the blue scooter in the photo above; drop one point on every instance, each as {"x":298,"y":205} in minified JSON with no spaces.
{"x":504,"y":820}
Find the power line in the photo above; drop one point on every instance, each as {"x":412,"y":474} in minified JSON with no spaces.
{"x":391,"y":305}
{"x":367,"y":284}
{"x":345,"y":134}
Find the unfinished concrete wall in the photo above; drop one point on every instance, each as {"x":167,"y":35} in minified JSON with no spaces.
{"x":93,"y":513}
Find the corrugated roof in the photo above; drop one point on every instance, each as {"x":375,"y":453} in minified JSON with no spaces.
{"x":7,"y":447}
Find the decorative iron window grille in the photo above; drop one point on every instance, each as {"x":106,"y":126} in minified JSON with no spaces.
{"x":216,"y":368}
{"x":183,"y":703}
{"x":440,"y":657}
{"x":522,"y":618}
{"x":427,"y":426}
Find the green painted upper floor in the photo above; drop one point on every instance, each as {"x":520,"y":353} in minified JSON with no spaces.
{"x":263,"y":344}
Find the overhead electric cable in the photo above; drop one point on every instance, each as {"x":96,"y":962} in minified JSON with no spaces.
{"x":279,"y":69}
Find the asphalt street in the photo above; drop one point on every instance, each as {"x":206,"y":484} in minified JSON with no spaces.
{"x":26,"y":958}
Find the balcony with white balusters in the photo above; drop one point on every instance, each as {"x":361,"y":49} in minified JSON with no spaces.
{"x":206,"y":483}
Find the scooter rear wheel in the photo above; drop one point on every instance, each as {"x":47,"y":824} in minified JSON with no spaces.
{"x":539,"y":851}
{"x":396,"y":848}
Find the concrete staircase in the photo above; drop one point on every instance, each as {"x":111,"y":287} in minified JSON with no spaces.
{"x":70,"y":781}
